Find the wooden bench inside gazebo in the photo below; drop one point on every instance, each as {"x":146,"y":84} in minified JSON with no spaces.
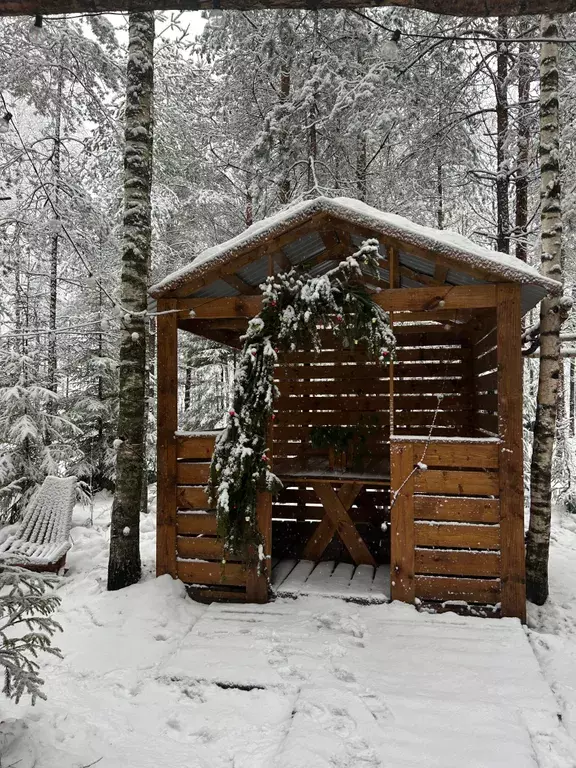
{"x":425,"y":502}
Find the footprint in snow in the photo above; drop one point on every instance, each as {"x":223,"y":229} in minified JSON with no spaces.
{"x":377,"y":708}
{"x":344,"y":674}
{"x":347,"y":625}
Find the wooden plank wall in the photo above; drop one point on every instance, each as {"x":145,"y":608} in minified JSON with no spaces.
{"x":199,"y":553}
{"x":485,"y":383}
{"x":432,"y":361}
{"x":334,"y":387}
{"x":451,"y":523}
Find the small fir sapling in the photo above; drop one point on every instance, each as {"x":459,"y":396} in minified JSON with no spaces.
{"x":26,"y":629}
{"x":296,"y":307}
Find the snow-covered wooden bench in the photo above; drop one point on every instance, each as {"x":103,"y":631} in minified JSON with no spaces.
{"x":43,"y":537}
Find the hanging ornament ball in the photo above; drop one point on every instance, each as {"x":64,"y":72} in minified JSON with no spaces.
{"x":264,"y":457}
{"x":247,"y":518}
{"x":374,"y":320}
{"x":339,"y":318}
{"x":232,"y":412}
{"x":272,"y":303}
{"x":223,"y":561}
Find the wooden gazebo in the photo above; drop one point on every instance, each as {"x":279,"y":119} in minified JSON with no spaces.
{"x":433,"y":490}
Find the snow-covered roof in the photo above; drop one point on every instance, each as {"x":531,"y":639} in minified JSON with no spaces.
{"x":456,"y":248}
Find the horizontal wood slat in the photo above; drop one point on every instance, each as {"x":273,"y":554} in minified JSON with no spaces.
{"x":192,"y":473}
{"x":318,"y":387}
{"x":341,"y":417}
{"x":487,"y":383}
{"x":487,"y":422}
{"x":460,"y":509}
{"x":477,"y":455}
{"x":487,"y":402}
{"x":365,"y":370}
{"x":425,"y":353}
{"x":439,"y":588}
{"x":457,"y":482}
{"x":307,"y":372}
{"x":194,"y":572}
{"x":195,"y":447}
{"x":192,"y":497}
{"x":457,"y":563}
{"x":417,"y":418}
{"x":331,"y":403}
{"x":453,"y":297}
{"x":200,"y":547}
{"x":190,"y":523}
{"x":464,"y":536}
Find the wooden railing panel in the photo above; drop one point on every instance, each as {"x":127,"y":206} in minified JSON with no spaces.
{"x":455,"y":520}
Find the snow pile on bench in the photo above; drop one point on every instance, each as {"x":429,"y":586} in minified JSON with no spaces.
{"x":43,"y":535}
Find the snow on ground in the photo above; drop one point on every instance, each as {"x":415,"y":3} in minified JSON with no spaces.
{"x":151,"y":679}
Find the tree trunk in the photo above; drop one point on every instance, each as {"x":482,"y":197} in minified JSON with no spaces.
{"x":502,"y":206}
{"x":124,"y":564}
{"x":523,"y":145}
{"x":55,"y":239}
{"x":283,"y":139}
{"x":440,"y":198}
{"x":553,"y":312}
{"x":572,"y":404}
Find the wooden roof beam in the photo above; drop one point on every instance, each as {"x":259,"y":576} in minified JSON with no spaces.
{"x":445,"y":297}
{"x":240,"y":285}
{"x":476,"y":8}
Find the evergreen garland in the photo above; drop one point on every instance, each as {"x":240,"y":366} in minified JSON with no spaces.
{"x":295,"y":308}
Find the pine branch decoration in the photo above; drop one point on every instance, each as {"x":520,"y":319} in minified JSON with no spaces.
{"x":296,"y":307}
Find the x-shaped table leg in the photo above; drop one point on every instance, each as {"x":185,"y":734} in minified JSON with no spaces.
{"x":337,"y":520}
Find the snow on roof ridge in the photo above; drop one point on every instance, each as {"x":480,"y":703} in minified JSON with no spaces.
{"x":444,"y":242}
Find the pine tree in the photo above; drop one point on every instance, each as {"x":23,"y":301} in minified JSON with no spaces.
{"x":26,"y":629}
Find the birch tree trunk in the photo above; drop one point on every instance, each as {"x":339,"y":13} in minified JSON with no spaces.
{"x":553,"y":312}
{"x":124,"y":564}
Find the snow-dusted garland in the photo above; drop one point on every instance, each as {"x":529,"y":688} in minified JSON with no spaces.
{"x":295,"y":308}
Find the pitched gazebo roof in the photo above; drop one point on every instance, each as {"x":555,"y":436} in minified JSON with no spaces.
{"x":319,"y":232}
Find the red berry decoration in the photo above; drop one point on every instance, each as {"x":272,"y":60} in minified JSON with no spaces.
{"x":232,"y":412}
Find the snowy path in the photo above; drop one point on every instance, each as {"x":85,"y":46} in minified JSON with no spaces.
{"x":382,"y":685}
{"x":151,"y":679}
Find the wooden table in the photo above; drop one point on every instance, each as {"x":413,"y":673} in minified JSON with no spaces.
{"x":336,"y":506}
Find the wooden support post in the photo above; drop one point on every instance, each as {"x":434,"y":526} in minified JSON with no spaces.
{"x":258,"y":576}
{"x":402,"y":513}
{"x":511,"y":464}
{"x":394,"y":275}
{"x":167,"y":378}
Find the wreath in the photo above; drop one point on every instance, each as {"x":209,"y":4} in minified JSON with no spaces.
{"x":296,"y":308}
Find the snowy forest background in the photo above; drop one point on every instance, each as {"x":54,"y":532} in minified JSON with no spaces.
{"x":429,"y":117}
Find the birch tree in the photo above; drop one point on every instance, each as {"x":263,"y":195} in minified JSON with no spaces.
{"x":553,"y":312}
{"x":124,"y":564}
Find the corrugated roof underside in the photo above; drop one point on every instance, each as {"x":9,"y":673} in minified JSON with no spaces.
{"x":311,"y":245}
